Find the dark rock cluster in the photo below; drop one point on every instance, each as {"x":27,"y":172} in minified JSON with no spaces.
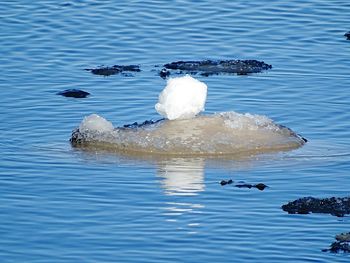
{"x":336,"y":206}
{"x":259,"y":186}
{"x":116,"y":69}
{"x":341,"y":245}
{"x":213,"y":67}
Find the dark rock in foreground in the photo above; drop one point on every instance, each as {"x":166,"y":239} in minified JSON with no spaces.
{"x":74,"y":93}
{"x":116,"y":69}
{"x":212,"y":67}
{"x":259,"y":186}
{"x":335,"y":206}
{"x":341,"y":245}
{"x":347,"y":35}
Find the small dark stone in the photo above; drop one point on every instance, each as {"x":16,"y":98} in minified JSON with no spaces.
{"x":223,"y":182}
{"x":164,"y":73}
{"x":74,"y":93}
{"x":347,"y":35}
{"x":304,"y":139}
{"x":260,"y":186}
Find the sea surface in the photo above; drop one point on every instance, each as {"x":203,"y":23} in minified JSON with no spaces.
{"x":62,"y":204}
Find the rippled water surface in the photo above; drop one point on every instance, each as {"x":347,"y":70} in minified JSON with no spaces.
{"x":61,"y":204}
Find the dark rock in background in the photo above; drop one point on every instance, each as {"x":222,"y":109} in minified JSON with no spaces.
{"x":335,"y":206}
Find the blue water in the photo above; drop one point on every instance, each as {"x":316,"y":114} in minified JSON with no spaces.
{"x":60,"y":204}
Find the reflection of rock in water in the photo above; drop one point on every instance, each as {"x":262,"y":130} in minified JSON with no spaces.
{"x":212,"y":67}
{"x":182,"y":176}
{"x":220,"y":134}
{"x":337,"y":206}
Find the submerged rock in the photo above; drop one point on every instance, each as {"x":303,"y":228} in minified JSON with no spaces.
{"x":227,"y":133}
{"x":116,"y":69}
{"x":223,"y":182}
{"x":74,"y":93}
{"x":336,"y":206}
{"x":259,"y":186}
{"x":213,"y":67}
{"x":341,"y":245}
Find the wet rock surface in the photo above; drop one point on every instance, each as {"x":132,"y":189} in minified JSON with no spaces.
{"x":74,"y":93}
{"x":116,"y":69}
{"x":214,"y":67}
{"x":341,"y":245}
{"x":259,"y":186}
{"x":336,"y":206}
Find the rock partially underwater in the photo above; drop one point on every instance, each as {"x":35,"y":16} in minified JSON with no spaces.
{"x":347,"y":35}
{"x":213,"y":67}
{"x":116,"y":69}
{"x":259,"y":186}
{"x":228,"y":133}
{"x":74,"y":93}
{"x":337,"y":206}
{"x":340,"y":245}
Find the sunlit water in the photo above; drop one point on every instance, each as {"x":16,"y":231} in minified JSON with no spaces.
{"x":61,"y":204}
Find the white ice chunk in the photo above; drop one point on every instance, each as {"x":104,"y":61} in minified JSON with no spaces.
{"x":182,"y":98}
{"x":95,"y":123}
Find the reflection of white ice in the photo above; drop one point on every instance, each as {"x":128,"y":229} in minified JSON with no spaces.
{"x":182,"y":176}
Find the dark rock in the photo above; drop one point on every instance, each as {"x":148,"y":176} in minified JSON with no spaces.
{"x":347,"y":35}
{"x":337,"y":247}
{"x":223,"y":182}
{"x":74,"y":93}
{"x":164,"y":73}
{"x":304,"y":139}
{"x":212,"y":67}
{"x":343,"y":237}
{"x":259,"y":186}
{"x":116,"y":69}
{"x":341,"y":245}
{"x":335,"y":206}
